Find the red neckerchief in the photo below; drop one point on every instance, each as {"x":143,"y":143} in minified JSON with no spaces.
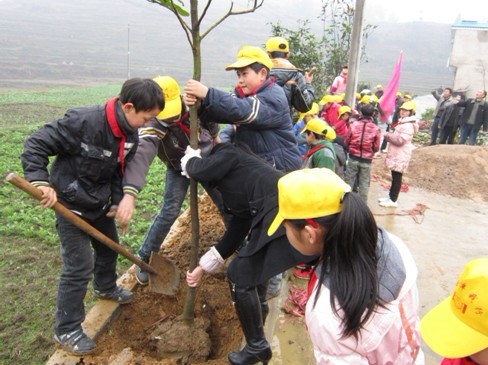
{"x":182,"y":126}
{"x":312,"y":150}
{"x":311,"y":284}
{"x":255,"y":91}
{"x":345,"y":78}
{"x":114,"y":126}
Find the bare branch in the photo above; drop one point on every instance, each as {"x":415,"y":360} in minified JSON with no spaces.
{"x":257,"y":5}
{"x":204,"y":12}
{"x":185,"y":26}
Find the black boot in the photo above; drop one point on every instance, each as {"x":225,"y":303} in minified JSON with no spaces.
{"x":248,"y":309}
{"x":262,"y":291}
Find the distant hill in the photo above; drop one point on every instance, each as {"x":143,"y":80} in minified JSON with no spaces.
{"x":56,"y":42}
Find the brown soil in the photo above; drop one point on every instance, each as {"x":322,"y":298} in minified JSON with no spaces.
{"x":149,"y":330}
{"x":145,"y":329}
{"x":455,"y":170}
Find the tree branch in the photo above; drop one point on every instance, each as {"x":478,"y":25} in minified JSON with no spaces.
{"x":257,"y":5}
{"x":204,"y":12}
{"x":185,"y":26}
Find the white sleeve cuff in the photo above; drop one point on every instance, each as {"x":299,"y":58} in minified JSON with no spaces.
{"x":211,"y":261}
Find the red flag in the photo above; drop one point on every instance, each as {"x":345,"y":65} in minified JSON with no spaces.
{"x":387,"y":101}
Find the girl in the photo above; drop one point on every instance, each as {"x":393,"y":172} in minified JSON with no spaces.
{"x":363,"y":304}
{"x":399,"y":151}
{"x":249,"y":190}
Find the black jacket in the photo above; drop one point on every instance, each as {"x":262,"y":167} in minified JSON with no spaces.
{"x":481,"y":119}
{"x":86,"y":173}
{"x":249,"y":188}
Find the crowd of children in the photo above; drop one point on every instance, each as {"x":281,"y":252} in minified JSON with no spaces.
{"x":284,"y":204}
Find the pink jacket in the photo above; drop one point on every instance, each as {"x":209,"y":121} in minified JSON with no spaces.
{"x":339,"y":84}
{"x":400,"y":144}
{"x":390,"y":337}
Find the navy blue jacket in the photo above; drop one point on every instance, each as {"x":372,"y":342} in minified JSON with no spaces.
{"x":263,"y":122}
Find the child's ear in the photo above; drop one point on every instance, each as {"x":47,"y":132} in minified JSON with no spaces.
{"x":127,"y":107}
{"x":315,"y":235}
{"x":263,"y":73}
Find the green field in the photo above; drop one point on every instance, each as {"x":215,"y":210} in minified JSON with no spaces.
{"x":31,"y":264}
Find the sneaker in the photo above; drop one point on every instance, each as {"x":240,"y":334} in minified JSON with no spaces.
{"x":76,"y":342}
{"x":302,"y":274}
{"x":383,"y":199}
{"x":142,"y":276}
{"x":119,"y":295}
{"x":388,"y":203}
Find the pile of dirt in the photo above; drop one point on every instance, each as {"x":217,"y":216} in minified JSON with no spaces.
{"x":460,"y":171}
{"x":131,"y":340}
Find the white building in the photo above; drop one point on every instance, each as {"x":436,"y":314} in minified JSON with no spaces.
{"x":469,"y":56}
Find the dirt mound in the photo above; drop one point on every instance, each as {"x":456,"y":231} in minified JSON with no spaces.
{"x":455,"y":170}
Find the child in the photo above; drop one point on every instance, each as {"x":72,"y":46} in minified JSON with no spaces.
{"x":298,"y":127}
{"x":92,"y":146}
{"x":296,"y":83}
{"x":342,"y":126}
{"x":457,"y":328}
{"x":321,"y":152}
{"x":166,"y":136}
{"x":399,"y":152}
{"x":363,"y":142}
{"x":249,"y":190}
{"x":363,"y":304}
{"x":258,"y":108}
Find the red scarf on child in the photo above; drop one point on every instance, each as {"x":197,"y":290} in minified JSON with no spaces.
{"x":114,"y":126}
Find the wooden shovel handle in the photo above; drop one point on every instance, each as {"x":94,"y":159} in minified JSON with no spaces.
{"x":26,"y":186}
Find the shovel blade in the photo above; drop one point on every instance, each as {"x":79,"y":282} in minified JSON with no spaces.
{"x":167,"y":278}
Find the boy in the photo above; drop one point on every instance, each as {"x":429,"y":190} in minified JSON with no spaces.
{"x":166,"y":136}
{"x":363,"y":142}
{"x":296,"y":83}
{"x":258,"y":108}
{"x":457,"y":328}
{"x":92,"y":146}
{"x":321,"y":152}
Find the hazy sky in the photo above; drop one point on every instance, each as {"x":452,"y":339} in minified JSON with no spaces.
{"x":445,"y":11}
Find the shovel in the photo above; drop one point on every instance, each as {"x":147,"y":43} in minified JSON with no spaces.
{"x":163,"y":276}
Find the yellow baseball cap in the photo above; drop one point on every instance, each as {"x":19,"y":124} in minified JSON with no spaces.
{"x":313,"y":110}
{"x":248,"y":55}
{"x":319,"y":126}
{"x":308,"y":193}
{"x":172,"y":97}
{"x":277,"y":44}
{"x":344,"y":109}
{"x":458,"y":326}
{"x":327,"y":98}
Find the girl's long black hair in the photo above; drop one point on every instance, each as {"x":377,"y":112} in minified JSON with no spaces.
{"x":350,"y":262}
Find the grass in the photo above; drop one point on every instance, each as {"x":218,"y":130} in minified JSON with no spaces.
{"x":31,"y":263}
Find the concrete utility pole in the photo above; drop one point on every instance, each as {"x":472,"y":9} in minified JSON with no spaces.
{"x":355,"y":53}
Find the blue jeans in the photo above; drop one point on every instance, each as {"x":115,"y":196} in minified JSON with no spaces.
{"x":467,"y":130}
{"x":360,"y":173}
{"x":174,"y":194}
{"x":80,"y":265}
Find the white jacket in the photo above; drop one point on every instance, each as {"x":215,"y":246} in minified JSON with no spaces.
{"x":391,"y":336}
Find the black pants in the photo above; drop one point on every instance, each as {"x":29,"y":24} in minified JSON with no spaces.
{"x":396,"y":185}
